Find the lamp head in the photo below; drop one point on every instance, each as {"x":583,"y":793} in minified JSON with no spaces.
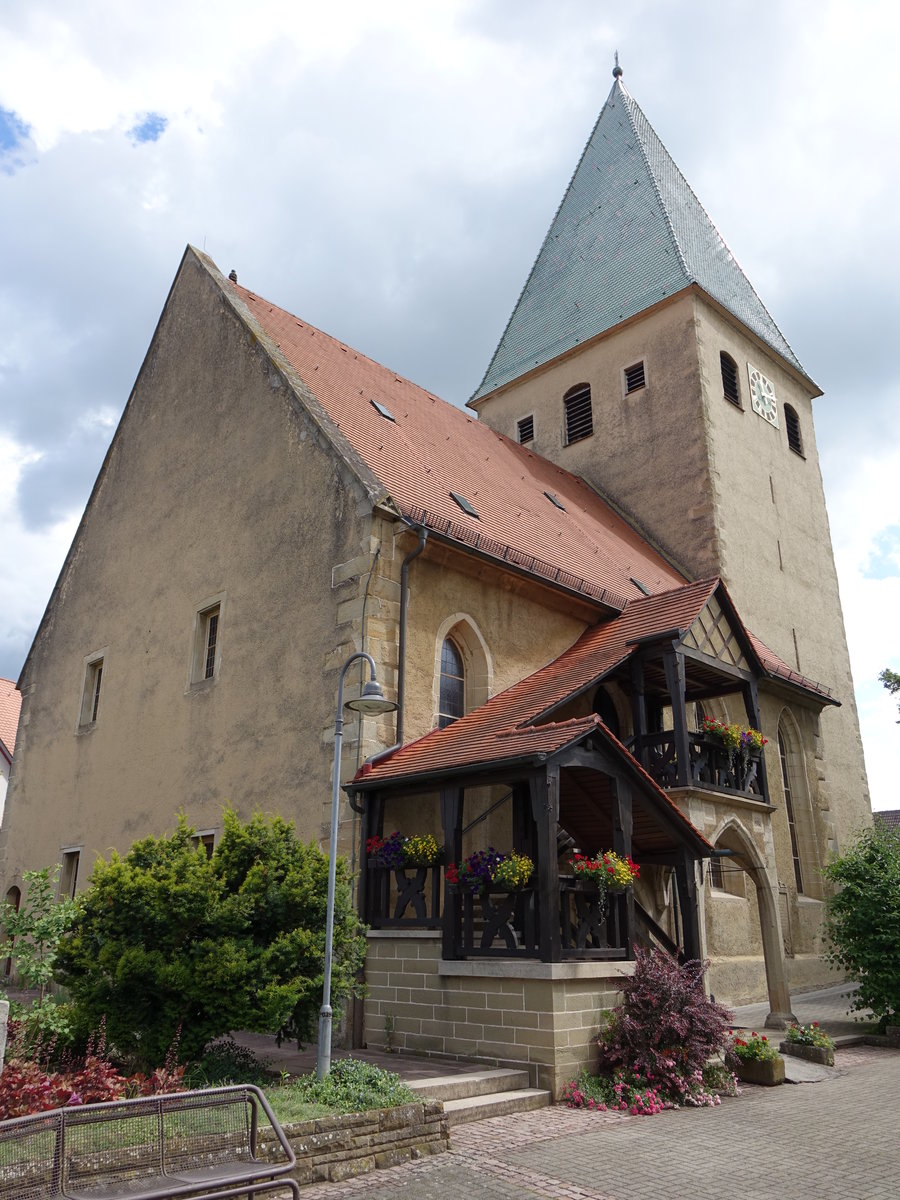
{"x":372,"y":700}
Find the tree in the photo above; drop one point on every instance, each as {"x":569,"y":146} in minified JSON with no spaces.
{"x":863,"y":920}
{"x":891,"y":680}
{"x":168,"y":942}
{"x":31,"y":937}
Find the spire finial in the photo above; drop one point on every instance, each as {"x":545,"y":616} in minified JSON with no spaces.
{"x":617,"y":70}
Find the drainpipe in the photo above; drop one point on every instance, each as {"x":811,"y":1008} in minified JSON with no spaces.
{"x":401,"y":649}
{"x":357,"y":1034}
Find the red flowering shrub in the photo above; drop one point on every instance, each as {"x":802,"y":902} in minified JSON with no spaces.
{"x":666,"y":1027}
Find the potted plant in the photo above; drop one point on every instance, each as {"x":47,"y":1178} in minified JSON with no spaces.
{"x":743,"y":746}
{"x":809,"y":1042}
{"x":489,"y":869}
{"x":754,"y":1059}
{"x":399,"y":850}
{"x":606,"y":871}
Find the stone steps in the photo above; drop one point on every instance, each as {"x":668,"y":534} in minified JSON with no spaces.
{"x":476,"y":1095}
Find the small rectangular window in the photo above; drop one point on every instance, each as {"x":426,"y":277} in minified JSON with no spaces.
{"x":579,"y":415}
{"x":634,"y":378}
{"x":206,"y":839}
{"x":525,"y":430}
{"x":207,"y":644}
{"x":90,"y":695}
{"x":68,"y":875}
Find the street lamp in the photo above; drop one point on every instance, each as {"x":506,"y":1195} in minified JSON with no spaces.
{"x":372,"y":701}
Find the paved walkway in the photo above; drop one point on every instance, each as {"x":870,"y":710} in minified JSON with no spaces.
{"x":833,"y":1140}
{"x":828,"y":1006}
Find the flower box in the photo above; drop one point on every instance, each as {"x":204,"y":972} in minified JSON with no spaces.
{"x":766,"y":1073}
{"x":816,"y":1054}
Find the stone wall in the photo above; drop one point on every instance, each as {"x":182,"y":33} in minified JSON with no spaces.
{"x":338,"y":1147}
{"x":540,"y":1017}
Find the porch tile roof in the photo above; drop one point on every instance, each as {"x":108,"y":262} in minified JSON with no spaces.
{"x":431,"y":449}
{"x":10,"y":704}
{"x":507,"y":726}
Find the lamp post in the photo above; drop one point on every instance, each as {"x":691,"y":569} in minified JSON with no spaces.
{"x":371,"y":700}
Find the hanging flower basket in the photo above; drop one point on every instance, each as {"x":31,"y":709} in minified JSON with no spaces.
{"x":399,"y":850}
{"x":490,"y":870}
{"x":608,"y":872}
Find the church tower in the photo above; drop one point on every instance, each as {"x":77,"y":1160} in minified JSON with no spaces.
{"x":640,"y":357}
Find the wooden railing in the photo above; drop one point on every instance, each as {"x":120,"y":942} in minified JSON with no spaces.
{"x":403,"y":897}
{"x":711,"y":764}
{"x":500,"y":924}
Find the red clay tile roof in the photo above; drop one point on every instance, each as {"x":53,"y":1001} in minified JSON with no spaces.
{"x":10,"y":703}
{"x":431,"y":449}
{"x":502,"y":727}
{"x":778,"y":669}
{"x":889,"y":818}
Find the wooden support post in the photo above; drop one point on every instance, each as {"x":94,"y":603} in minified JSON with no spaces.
{"x":545,"y":809}
{"x":639,"y":707}
{"x":751,"y":702}
{"x":623,"y":822}
{"x":686,"y":881}
{"x":451,"y":825}
{"x":675,"y":681}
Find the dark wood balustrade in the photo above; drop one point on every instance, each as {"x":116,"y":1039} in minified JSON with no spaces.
{"x":712,"y":765}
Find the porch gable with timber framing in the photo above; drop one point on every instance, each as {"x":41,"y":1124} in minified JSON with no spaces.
{"x":567,"y":784}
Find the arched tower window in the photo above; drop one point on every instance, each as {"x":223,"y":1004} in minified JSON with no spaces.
{"x":579,"y":417}
{"x":452,"y":694}
{"x":730,"y":379}
{"x":792,"y":428}
{"x":789,"y":807}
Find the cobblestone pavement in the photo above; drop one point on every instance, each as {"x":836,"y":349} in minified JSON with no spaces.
{"x":834,"y":1140}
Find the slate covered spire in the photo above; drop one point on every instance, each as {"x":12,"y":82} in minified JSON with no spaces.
{"x":628,"y":233}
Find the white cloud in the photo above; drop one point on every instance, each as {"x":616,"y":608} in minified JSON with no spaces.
{"x":389,"y":170}
{"x":31,"y":561}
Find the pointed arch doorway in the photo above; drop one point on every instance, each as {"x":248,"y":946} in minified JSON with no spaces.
{"x":746,"y":854}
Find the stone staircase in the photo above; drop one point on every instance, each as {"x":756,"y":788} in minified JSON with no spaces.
{"x":476,"y":1095}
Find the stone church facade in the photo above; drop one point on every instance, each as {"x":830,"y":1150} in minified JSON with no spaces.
{"x":626,"y":533}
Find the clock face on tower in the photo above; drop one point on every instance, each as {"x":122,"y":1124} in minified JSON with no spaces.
{"x":762,"y":395}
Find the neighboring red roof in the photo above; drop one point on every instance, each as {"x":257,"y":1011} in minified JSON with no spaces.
{"x":431,"y":448}
{"x":10,"y":704}
{"x":889,"y":818}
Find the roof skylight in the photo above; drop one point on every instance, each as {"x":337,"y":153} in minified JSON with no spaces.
{"x":641,"y":587}
{"x":464,"y":505}
{"x":555,"y":500}
{"x":385,"y":412}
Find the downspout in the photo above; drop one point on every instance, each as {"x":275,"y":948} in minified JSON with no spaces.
{"x":357,"y":1035}
{"x":401,"y":652}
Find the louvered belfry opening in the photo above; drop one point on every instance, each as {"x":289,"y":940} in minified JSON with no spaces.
{"x":730,"y":379}
{"x":635,"y":378}
{"x":579,"y":417}
{"x":792,"y":426}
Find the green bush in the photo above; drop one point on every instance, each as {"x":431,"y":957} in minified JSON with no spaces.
{"x":167,"y":942}
{"x":863,"y":920}
{"x":353,"y":1085}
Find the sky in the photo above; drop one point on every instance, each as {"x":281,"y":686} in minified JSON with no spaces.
{"x":388,"y":171}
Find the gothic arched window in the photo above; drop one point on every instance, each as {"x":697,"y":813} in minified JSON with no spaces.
{"x":452,"y":695}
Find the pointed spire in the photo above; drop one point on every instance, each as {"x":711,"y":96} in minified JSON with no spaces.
{"x":628,"y":233}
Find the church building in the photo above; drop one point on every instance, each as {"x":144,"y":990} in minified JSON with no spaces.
{"x":603,"y":597}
